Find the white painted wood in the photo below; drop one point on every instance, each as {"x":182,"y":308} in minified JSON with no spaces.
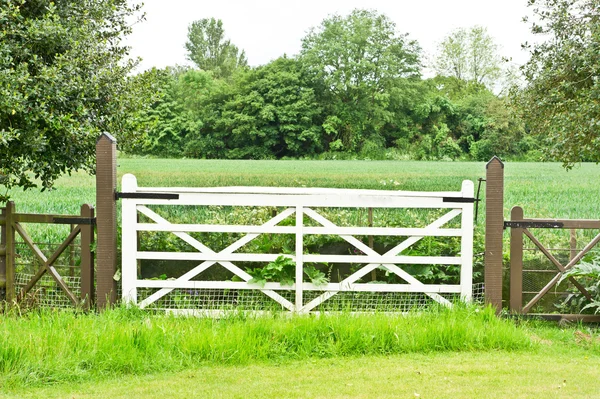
{"x":466,"y":244}
{"x":337,"y":287}
{"x":129,"y":242}
{"x":317,"y":200}
{"x":297,"y":200}
{"x":296,"y":191}
{"x":375,"y":231}
{"x":299,"y":257}
{"x":250,"y":257}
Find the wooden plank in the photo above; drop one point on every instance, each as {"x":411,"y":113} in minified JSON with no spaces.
{"x":516,"y":263}
{"x":299,"y":258}
{"x":3,"y":249}
{"x":34,"y":248}
{"x":87,"y":259}
{"x":330,"y":201}
{"x":128,"y":241}
{"x":337,"y":287}
{"x":247,"y":229}
{"x":252,"y":257}
{"x":466,"y":244}
{"x":10,"y":252}
{"x":494,"y":228}
{"x":106,"y":211}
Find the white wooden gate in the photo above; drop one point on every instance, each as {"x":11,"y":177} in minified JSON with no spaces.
{"x":301,"y":202}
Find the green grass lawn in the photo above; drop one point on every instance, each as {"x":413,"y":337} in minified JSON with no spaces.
{"x":543,"y":374}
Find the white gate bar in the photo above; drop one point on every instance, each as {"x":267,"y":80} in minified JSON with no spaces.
{"x":466,"y":244}
{"x":297,"y":191}
{"x":128,"y":243}
{"x":252,"y":257}
{"x":337,"y":287}
{"x":317,"y":200}
{"x":374,"y":231}
{"x":299,"y":257}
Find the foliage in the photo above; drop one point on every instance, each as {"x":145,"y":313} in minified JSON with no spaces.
{"x":588,"y":274}
{"x":64,"y":78}
{"x":469,"y":55}
{"x":210,"y":51}
{"x":358,"y":58}
{"x":282,"y":270}
{"x":560,"y":101}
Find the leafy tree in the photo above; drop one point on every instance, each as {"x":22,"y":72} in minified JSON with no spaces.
{"x":64,"y":78}
{"x":272,"y":113}
{"x":210,"y":51}
{"x":469,"y":55}
{"x":358,"y":58}
{"x":560,"y":102}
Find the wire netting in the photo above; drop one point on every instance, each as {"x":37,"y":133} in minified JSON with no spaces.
{"x":539,"y":271}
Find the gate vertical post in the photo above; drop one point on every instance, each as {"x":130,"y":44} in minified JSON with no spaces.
{"x":466,"y":243}
{"x":3,"y":249}
{"x":516,"y":262}
{"x":299,"y":257}
{"x":87,"y":258}
{"x":10,"y":252}
{"x":129,"y":241}
{"x":106,"y":210}
{"x":494,"y":228}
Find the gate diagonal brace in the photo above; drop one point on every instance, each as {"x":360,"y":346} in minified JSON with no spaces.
{"x":562,"y":269}
{"x":367,"y":250}
{"x":205,"y":265}
{"x":47,"y":263}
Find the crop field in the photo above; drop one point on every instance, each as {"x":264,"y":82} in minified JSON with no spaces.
{"x":543,"y":189}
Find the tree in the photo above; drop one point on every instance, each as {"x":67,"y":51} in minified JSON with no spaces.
{"x":358,"y":57}
{"x":64,"y":78}
{"x":561,"y":101}
{"x":210,"y":51}
{"x":469,"y":55}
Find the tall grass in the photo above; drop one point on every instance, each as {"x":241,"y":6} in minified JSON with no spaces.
{"x":44,"y":347}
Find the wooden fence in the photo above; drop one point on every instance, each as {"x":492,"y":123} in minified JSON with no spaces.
{"x":13,"y":224}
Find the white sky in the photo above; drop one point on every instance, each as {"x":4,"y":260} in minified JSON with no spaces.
{"x":266,"y":29}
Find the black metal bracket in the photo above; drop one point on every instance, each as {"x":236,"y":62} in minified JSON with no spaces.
{"x":74,"y":220}
{"x":532,"y":225}
{"x":167,"y":196}
{"x":460,"y":200}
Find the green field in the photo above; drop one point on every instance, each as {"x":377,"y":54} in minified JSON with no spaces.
{"x":543,"y":189}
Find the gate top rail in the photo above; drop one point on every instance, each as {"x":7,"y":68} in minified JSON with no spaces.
{"x":294,"y":196}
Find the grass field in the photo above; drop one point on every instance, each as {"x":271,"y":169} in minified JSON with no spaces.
{"x":543,"y":189}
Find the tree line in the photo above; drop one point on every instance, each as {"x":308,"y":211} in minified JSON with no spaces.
{"x":355,"y":90}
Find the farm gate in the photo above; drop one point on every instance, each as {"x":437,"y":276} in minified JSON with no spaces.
{"x":532,"y":282}
{"x":55,"y":274}
{"x":215,"y":278}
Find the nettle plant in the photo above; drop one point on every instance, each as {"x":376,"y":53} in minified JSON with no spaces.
{"x":282,"y":270}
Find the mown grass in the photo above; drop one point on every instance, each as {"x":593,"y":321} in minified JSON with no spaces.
{"x":543,"y":374}
{"x":46,"y":347}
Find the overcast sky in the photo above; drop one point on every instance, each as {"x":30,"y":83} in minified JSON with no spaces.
{"x":267,"y":29}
